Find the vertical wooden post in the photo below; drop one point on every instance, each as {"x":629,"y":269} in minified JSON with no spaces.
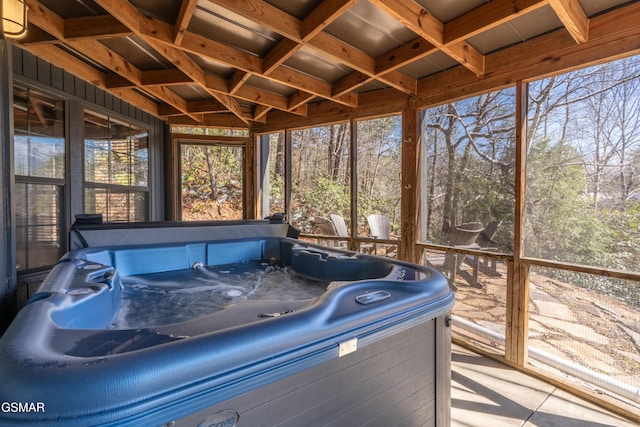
{"x":251,"y":177}
{"x":287,"y":173}
{"x":353,"y":149}
{"x":517,"y":322}
{"x":410,"y":193}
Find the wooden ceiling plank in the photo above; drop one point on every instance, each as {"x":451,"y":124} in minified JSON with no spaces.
{"x":573,"y":18}
{"x":91,"y":48}
{"x":421,"y":22}
{"x":407,"y":53}
{"x":257,"y":96}
{"x":206,"y":107}
{"x":322,"y":16}
{"x":105,"y":26}
{"x":248,"y":93}
{"x":487,"y":16}
{"x":187,"y":8}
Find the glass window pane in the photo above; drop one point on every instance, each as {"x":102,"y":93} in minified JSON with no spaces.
{"x":115,"y":153}
{"x":321,"y":175}
{"x":116,"y":158}
{"x":468,"y":159}
{"x":40,"y":230}
{"x":39,"y":134}
{"x":117,"y":205}
{"x":583,"y":197}
{"x":212,"y":182}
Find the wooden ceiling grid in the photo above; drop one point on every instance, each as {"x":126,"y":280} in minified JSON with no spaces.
{"x":81,"y":46}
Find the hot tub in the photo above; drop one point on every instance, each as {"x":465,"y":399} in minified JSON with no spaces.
{"x":362,"y":341}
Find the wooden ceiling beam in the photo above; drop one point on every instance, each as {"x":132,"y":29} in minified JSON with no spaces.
{"x":360,"y":61}
{"x":45,"y":19}
{"x":573,"y":18}
{"x":407,"y":53}
{"x":322,"y":16}
{"x":188,"y":66}
{"x":237,"y":80}
{"x":291,"y":28}
{"x":100,"y":27}
{"x":187,"y":8}
{"x":487,"y":16}
{"x":425,"y":25}
{"x":267,"y":15}
{"x":284,"y":50}
{"x":349,"y":83}
{"x":77,"y":67}
{"x":194,"y":107}
{"x":260,"y":113}
{"x":612,"y":35}
{"x":148,"y":30}
{"x":96,"y":51}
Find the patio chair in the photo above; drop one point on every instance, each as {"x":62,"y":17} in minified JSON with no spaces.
{"x":486,"y":242}
{"x":327,"y":228}
{"x":341,"y":229}
{"x":462,"y":236}
{"x":380,"y":228}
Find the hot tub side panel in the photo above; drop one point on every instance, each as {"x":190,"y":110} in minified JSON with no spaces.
{"x":403,"y":379}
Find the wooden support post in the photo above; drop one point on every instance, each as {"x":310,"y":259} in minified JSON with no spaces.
{"x":517,"y":322}
{"x":409,"y":211}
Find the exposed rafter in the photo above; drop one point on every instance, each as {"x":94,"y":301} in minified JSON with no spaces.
{"x":198,"y":74}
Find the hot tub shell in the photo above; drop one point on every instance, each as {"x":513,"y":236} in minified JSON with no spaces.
{"x":372,"y":350}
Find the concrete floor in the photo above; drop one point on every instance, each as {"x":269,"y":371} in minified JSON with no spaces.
{"x":486,"y":393}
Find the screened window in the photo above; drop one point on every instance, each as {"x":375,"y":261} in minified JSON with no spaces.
{"x":379,"y":174}
{"x":39,"y":147}
{"x":468,"y":167}
{"x":583,"y":157}
{"x":321,"y":174}
{"x":116,"y":169}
